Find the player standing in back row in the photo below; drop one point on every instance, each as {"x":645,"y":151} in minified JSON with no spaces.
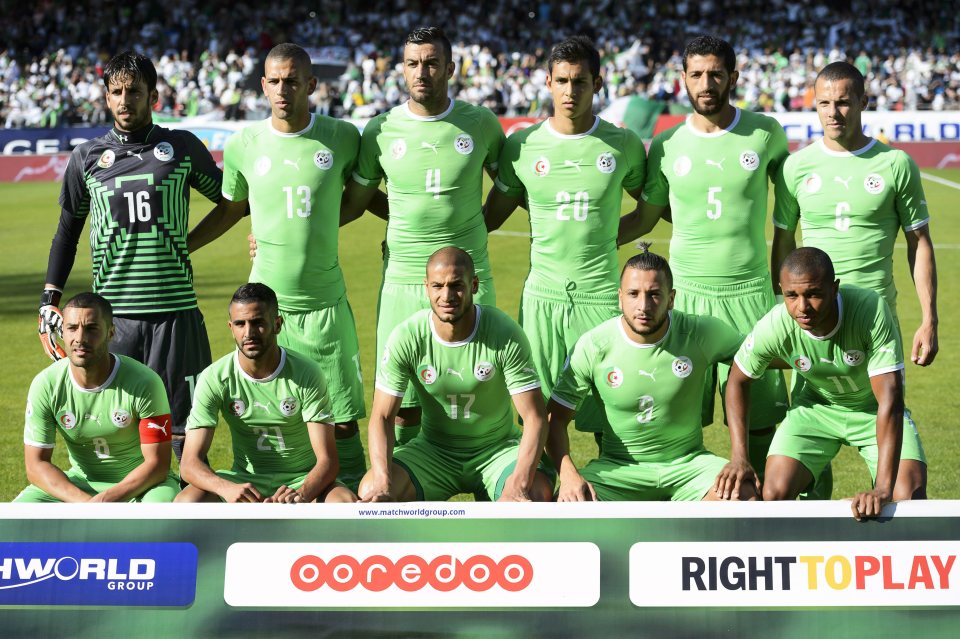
{"x":134,"y":183}
{"x":712,"y":172}
{"x":433,"y":151}
{"x":570,"y":172}
{"x":290,"y":170}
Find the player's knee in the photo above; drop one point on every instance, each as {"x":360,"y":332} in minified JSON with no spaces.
{"x":911,"y":481}
{"x":776,"y":488}
{"x":345,"y":430}
{"x":542,"y":489}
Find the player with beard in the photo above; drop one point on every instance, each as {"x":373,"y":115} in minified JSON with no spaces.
{"x":466,"y":362}
{"x":646,"y":365}
{"x":844,"y":342}
{"x":710,"y":175}
{"x":276,"y":404}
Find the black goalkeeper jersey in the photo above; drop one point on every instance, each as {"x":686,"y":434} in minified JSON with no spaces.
{"x":137,"y":194}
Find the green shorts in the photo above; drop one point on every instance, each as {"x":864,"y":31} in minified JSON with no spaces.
{"x":740,"y":305}
{"x":813,"y":433}
{"x":686,"y":478}
{"x":439,"y":473}
{"x":553,"y":322}
{"x":329,"y":337}
{"x":163,"y":492}
{"x":399,"y":301}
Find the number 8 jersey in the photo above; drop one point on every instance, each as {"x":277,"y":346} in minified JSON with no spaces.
{"x":136,"y":189}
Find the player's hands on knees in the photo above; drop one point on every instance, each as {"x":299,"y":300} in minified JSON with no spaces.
{"x":253,"y":246}
{"x":284,"y":495}
{"x":731,"y":476}
{"x":98,"y":498}
{"x":514,"y":491}
{"x":242,"y":494}
{"x":869,"y":504}
{"x":576,"y":489}
{"x":375,"y":491}
{"x":925,"y":345}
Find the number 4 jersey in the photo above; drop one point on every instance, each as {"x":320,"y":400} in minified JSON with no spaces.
{"x":136,"y":189}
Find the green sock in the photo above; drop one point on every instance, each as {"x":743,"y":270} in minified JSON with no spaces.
{"x":404,"y":434}
{"x":352,"y":463}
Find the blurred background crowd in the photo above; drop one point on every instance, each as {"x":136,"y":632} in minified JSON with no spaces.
{"x":209,"y":53}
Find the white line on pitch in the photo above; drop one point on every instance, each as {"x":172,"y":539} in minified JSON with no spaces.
{"x":940,"y":180}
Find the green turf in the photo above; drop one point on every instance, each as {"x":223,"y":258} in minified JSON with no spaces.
{"x":30,"y":214}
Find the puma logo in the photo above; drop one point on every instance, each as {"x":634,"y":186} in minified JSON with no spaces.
{"x":644,"y":373}
{"x":828,"y":361}
{"x":719,"y":164}
{"x":161,"y":427}
{"x":458,"y":374}
{"x":840,"y":180}
{"x":574,"y":163}
{"x":295,"y":165}
{"x":265,"y":408}
{"x":432,"y":147}
{"x":136,"y":155}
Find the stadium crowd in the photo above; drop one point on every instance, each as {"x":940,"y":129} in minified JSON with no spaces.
{"x":207,"y":53}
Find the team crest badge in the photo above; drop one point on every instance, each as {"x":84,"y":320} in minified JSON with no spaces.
{"x":107,"y":159}
{"x":606,"y":163}
{"x":541,"y":167}
{"x":120,"y":418}
{"x":262,"y":165}
{"x":66,"y":419}
{"x":323,"y":159}
{"x":463,"y":144}
{"x":398,"y":149}
{"x":749,"y":160}
{"x":163,"y":151}
{"x":238,"y":407}
{"x":873,"y":184}
{"x":427,"y":374}
{"x":802,"y":363}
{"x":853,"y":358}
{"x":682,"y":166}
{"x":484,"y":371}
{"x":812,"y":183}
{"x":682,"y":367}
{"x":289,"y":406}
{"x":614,"y":377}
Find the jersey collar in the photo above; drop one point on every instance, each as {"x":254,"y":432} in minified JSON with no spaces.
{"x":574,"y":136}
{"x":269,"y":378}
{"x":835,"y":328}
{"x":295,"y":133}
{"x":428,"y":118}
{"x":629,"y":341}
{"x":476,"y":326}
{"x":701,"y":134}
{"x":104,"y":385}
{"x":845,"y":154}
{"x":133,"y":137}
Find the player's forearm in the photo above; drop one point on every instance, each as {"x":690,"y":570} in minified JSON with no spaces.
{"x":737,"y":401}
{"x":319,"y":478}
{"x":531,"y":448}
{"x":889,"y":441}
{"x":139,"y":480}
{"x":217,"y":222}
{"x":784,"y":242}
{"x":636,"y":223}
{"x":923,"y":267}
{"x":380,"y":441}
{"x":199,"y":475}
{"x":63,"y":249}
{"x":379,"y":205}
{"x":54,"y":482}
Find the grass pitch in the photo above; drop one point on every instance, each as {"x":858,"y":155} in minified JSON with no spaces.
{"x":30,"y":214}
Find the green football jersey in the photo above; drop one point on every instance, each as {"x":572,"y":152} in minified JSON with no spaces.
{"x":100,"y":426}
{"x":837,"y":367}
{"x":267,"y":417}
{"x":852,"y":206}
{"x":434,"y":170}
{"x":716,"y":185}
{"x":464,"y":387}
{"x":573,"y":188}
{"x":650,"y":392}
{"x":294,"y":182}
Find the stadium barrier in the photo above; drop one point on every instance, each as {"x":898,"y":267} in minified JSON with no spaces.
{"x":479,"y":569}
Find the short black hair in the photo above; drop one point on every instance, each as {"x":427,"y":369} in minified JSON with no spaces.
{"x":253,"y":292}
{"x":137,"y":67}
{"x":575,"y":49}
{"x":647,"y":261}
{"x":810,"y":261}
{"x":711,"y":45}
{"x":291,"y":51}
{"x":91,"y":300}
{"x":431,"y":35}
{"x":841,"y":70}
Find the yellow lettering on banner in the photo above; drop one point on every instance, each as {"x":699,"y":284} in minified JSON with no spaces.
{"x":830,"y":572}
{"x":812,"y":561}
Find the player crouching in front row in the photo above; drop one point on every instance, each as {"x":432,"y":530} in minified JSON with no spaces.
{"x":276,"y":404}
{"x":646,"y":365}
{"x":844,"y":342}
{"x":111,"y":411}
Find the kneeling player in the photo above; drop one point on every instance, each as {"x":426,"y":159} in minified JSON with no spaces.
{"x":276,"y":404}
{"x":466,"y":362}
{"x":845,"y":344}
{"x":111,"y":411}
{"x":649,"y":367}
